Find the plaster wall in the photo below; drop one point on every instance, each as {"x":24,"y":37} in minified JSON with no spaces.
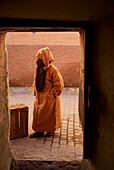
{"x":22,"y":49}
{"x":102,"y":95}
{"x":22,"y":59}
{"x":5,"y":153}
{"x":61,"y":10}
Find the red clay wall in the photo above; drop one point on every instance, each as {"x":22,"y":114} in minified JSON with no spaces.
{"x":21,"y":59}
{"x":22,"y":49}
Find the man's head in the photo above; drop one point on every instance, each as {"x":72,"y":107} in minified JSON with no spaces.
{"x":46,"y":56}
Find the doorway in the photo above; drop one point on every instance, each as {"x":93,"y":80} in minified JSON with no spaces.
{"x":68,"y":135}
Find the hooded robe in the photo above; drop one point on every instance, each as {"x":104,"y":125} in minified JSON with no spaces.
{"x":47,"y":108}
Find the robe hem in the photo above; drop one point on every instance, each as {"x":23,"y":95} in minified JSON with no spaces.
{"x":45,"y":130}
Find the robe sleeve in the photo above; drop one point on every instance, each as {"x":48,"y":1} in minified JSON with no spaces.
{"x":57,"y":82}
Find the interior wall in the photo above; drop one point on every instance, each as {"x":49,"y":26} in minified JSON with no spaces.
{"x":102,"y":94}
{"x":5,"y":153}
{"x":61,"y":10}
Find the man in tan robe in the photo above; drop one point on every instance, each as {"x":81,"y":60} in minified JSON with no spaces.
{"x":48,"y":85}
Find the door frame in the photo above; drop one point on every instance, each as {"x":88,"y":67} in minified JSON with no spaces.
{"x":23,"y":25}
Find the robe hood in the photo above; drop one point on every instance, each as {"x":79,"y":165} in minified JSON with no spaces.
{"x":46,"y":56}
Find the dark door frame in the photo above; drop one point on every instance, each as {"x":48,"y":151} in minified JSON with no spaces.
{"x":34,"y":25}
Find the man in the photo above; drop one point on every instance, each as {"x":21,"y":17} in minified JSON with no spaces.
{"x":48,"y":85}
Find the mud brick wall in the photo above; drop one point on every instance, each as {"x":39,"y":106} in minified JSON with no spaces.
{"x":21,"y":62}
